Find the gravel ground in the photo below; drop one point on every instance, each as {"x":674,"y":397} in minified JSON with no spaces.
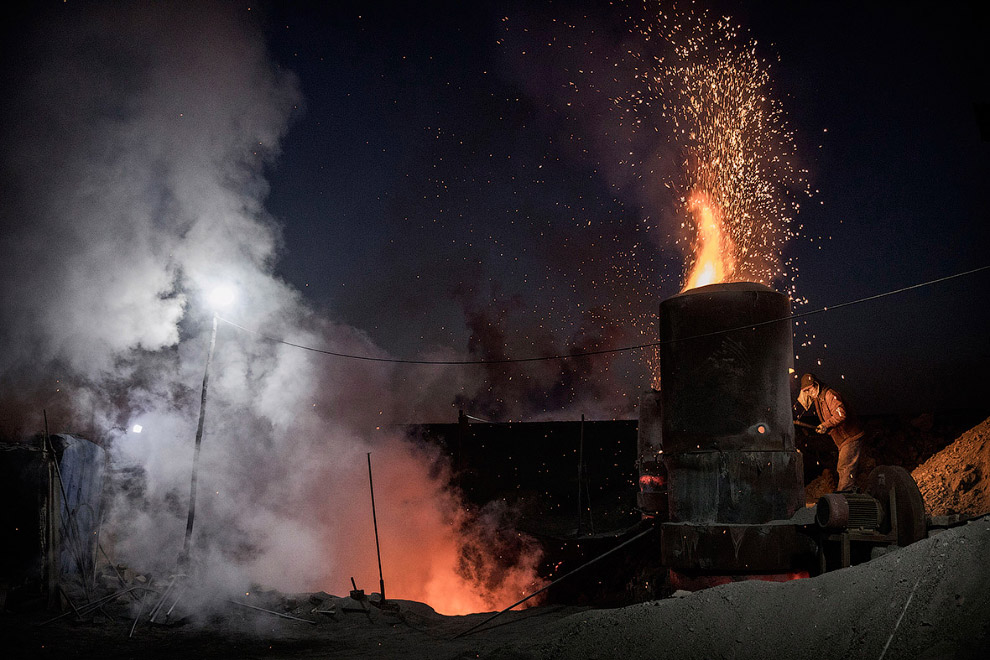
{"x":929,"y":600}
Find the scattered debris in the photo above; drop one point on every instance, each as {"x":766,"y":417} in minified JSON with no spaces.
{"x":279,"y":614}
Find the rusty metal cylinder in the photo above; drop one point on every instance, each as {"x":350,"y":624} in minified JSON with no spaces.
{"x":728,"y":436}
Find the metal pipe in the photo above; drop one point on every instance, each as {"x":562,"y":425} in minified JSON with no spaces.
{"x":374,"y":517}
{"x":85,"y":609}
{"x":580,"y":474}
{"x":261,"y":609}
{"x":139,"y":613}
{"x":161,"y":601}
{"x":184,"y":557}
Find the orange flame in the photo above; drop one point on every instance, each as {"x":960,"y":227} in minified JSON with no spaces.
{"x":714,"y":260}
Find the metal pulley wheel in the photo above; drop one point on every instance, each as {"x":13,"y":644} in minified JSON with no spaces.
{"x":911,"y":523}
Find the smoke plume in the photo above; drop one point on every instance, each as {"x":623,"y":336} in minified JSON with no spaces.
{"x":136,"y":140}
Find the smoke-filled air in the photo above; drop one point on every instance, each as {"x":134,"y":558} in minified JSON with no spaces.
{"x":140,"y":141}
{"x":134,"y":182}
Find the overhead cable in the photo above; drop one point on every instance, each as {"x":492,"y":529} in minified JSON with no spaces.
{"x":603,"y":351}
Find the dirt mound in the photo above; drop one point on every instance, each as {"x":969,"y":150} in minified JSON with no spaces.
{"x":928,"y":600}
{"x":957,"y":479}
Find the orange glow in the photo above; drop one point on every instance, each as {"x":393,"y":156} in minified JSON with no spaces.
{"x":647,"y":481}
{"x":782,"y":577}
{"x":433,"y":551}
{"x":696,"y":583}
{"x":713,"y":249}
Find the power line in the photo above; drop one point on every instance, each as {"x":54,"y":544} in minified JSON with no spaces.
{"x":576,"y":354}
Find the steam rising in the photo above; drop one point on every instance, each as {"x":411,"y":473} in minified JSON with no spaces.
{"x":136,"y":144}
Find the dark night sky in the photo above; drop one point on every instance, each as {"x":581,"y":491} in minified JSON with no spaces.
{"x":410,"y":176}
{"x":439,"y":178}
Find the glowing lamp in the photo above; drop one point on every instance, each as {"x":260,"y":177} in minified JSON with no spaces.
{"x":137,"y":428}
{"x":221,"y":297}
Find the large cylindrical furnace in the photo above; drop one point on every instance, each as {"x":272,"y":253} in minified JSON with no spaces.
{"x":728,"y":436}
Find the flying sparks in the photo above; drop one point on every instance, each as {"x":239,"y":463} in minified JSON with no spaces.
{"x":737,"y":176}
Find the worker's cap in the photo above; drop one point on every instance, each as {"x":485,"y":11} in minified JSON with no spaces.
{"x":808,"y":380}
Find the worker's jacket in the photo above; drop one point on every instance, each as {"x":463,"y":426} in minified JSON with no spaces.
{"x":833,"y":415}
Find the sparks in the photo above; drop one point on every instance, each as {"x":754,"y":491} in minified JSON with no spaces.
{"x":712,"y":90}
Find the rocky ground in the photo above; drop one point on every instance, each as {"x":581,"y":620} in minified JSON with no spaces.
{"x":928,"y":600}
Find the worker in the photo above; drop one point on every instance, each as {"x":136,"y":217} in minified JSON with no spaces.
{"x":835,"y":419}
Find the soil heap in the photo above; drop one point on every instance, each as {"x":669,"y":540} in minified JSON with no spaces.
{"x":928,"y":600}
{"x":954,"y":481}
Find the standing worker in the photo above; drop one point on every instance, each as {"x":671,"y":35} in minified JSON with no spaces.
{"x":834,"y":419}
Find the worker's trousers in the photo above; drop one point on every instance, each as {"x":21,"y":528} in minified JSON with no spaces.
{"x":848,"y":463}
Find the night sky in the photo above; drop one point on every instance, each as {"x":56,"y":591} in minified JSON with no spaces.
{"x":450,"y":184}
{"x":438,"y":168}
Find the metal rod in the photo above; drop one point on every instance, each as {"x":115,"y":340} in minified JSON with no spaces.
{"x":179,"y":593}
{"x":558,"y":580}
{"x":261,"y":609}
{"x":48,"y":512}
{"x":69,"y":601}
{"x":184,"y":557}
{"x":161,"y":601}
{"x":374,"y":517}
{"x":91,"y":606}
{"x":580,"y":475}
{"x":139,"y":612}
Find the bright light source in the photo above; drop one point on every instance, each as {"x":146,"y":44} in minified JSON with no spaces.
{"x":221,"y":296}
{"x":137,"y":428}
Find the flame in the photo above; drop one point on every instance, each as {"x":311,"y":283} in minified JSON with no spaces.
{"x":433,"y":551}
{"x":714,"y":260}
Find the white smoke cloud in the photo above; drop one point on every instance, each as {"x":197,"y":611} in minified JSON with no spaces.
{"x":137,"y":139}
